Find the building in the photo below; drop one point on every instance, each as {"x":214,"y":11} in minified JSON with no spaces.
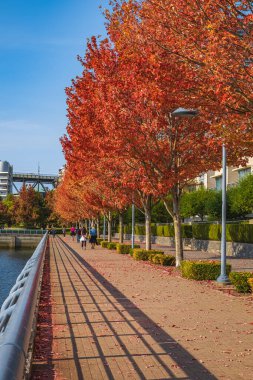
{"x":6,"y":173}
{"x":213,"y":179}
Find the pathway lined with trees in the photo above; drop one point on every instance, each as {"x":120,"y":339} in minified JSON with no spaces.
{"x":110,"y":316}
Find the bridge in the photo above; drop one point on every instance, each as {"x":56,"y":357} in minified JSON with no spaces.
{"x":35,"y":180}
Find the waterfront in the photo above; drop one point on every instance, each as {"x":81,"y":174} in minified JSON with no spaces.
{"x":12,"y":261}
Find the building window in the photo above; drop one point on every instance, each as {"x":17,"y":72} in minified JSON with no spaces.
{"x":243,"y":172}
{"x":218,"y":183}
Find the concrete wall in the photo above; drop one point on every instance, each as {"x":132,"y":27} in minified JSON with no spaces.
{"x":19,"y":241}
{"x":233,"y":249}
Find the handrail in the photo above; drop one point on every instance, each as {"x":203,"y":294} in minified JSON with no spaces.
{"x":17,"y":316}
{"x":21,"y":232}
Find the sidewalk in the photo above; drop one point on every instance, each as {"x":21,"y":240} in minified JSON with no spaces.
{"x":116,"y":318}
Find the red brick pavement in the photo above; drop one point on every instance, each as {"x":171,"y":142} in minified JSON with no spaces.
{"x":115,"y":318}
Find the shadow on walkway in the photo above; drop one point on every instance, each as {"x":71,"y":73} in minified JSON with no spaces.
{"x":155,"y":344}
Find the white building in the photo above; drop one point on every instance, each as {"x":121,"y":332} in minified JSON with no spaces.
{"x":6,"y":172}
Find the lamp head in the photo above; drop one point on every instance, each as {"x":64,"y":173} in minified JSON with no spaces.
{"x":183,"y":112}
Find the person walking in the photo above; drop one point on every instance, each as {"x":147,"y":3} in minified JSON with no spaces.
{"x":83,"y":240}
{"x":78,"y":235}
{"x":72,"y":232}
{"x":93,"y":237}
{"x":64,"y":231}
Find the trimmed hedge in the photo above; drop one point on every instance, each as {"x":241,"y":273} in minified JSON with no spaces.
{"x":112,"y":245}
{"x":240,"y":233}
{"x":143,"y":254}
{"x":126,"y":249}
{"x":202,"y":270}
{"x":250,"y":282}
{"x":240,"y":281}
{"x":104,"y":244}
{"x":162,"y":259}
{"x":235,"y":232}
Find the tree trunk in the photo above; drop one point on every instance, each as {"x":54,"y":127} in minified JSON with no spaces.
{"x":177,"y":226}
{"x":109,"y":219}
{"x":147,"y":208}
{"x":121,"y":235}
{"x":98,"y":227}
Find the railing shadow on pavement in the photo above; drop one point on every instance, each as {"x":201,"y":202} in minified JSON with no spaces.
{"x":189,"y":365}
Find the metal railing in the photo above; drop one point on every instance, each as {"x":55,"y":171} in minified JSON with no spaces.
{"x":17,"y":316}
{"x":21,"y":232}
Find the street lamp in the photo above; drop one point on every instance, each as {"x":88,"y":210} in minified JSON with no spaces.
{"x":183,"y":112}
{"x":104,"y":228}
{"x":223,"y":278}
{"x":133,"y":224}
{"x":180,"y":112}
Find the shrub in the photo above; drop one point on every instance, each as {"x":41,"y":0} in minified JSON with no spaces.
{"x":153,"y":229}
{"x":186,"y":230}
{"x":250,"y":282}
{"x":206,"y":231}
{"x":161,"y":259}
{"x":127,"y":229}
{"x":104,"y":244}
{"x":143,"y":254}
{"x":99,"y":240}
{"x":140,"y":230}
{"x":202,"y":270}
{"x":168,"y":230}
{"x":159,"y":230}
{"x":125,"y":249}
{"x":240,"y":281}
{"x":240,"y":233}
{"x":112,"y":245}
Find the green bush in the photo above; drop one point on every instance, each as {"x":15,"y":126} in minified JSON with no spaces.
{"x":112,"y":245}
{"x":153,"y":229}
{"x":206,"y":231}
{"x":202,"y":270}
{"x":168,"y":230}
{"x":161,"y":259}
{"x":250,"y":282}
{"x":140,"y":230}
{"x":240,"y":233}
{"x":240,"y":281}
{"x":143,"y":254}
{"x":126,"y":249}
{"x":104,"y":244}
{"x":186,"y":231}
{"x":127,"y":229}
{"x":159,"y":230}
{"x":99,"y":240}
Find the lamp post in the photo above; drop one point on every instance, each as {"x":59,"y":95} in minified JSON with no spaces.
{"x":133,"y":224}
{"x":223,"y":278}
{"x":104,"y":229}
{"x":179,"y":112}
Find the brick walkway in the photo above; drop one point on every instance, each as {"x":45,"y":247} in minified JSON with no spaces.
{"x":115,"y":318}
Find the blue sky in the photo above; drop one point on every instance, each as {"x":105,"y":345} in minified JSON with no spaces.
{"x":39,"y":43}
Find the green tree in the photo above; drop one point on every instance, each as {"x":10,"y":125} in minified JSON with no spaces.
{"x":195,"y":203}
{"x":240,"y":198}
{"x":214,"y":205}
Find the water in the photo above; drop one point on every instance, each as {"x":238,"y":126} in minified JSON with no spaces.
{"x":12,"y":261}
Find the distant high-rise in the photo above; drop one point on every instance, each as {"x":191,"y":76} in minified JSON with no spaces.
{"x":6,"y":172}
